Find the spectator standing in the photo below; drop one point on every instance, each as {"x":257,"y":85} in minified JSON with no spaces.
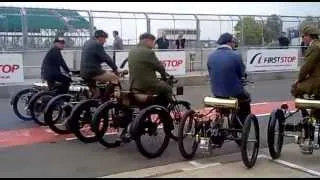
{"x":283,"y":40}
{"x":180,"y":42}
{"x":117,"y":44}
{"x":162,"y":42}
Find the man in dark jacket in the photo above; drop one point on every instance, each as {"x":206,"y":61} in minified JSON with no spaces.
{"x":180,"y":42}
{"x":283,"y":40}
{"x":226,"y":74}
{"x":92,"y":56}
{"x":162,"y":42}
{"x":54,"y":69}
{"x":143,"y":65}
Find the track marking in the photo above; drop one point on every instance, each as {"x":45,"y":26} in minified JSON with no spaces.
{"x":292,"y":165}
{"x":200,"y":166}
{"x":75,"y":138}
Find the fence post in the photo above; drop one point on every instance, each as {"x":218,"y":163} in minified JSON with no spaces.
{"x":242,"y":33}
{"x":24,"y":27}
{"x":148,"y":23}
{"x":198,"y":31}
{"x":91,"y":29}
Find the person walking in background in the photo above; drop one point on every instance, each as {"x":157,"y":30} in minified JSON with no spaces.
{"x":162,"y":42}
{"x":117,"y":44}
{"x":283,"y":40}
{"x":180,"y":42}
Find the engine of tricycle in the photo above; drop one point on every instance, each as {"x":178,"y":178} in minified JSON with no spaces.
{"x":210,"y":133}
{"x":309,"y":139}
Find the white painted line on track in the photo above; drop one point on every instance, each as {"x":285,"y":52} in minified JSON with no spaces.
{"x":200,"y":166}
{"x":292,"y":165}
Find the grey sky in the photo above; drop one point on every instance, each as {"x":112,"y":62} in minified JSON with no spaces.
{"x":209,"y":30}
{"x":263,"y":8}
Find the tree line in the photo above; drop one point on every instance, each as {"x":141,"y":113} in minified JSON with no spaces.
{"x":256,"y":32}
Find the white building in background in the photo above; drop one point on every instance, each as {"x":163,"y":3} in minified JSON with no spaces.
{"x":172,"y":34}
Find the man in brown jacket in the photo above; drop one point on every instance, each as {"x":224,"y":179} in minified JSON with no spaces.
{"x":309,"y":76}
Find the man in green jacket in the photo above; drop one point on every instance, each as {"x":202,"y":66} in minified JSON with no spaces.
{"x":143,"y":65}
{"x":309,"y":76}
{"x":309,"y":82}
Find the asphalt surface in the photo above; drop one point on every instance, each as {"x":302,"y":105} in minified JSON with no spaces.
{"x":75,"y":159}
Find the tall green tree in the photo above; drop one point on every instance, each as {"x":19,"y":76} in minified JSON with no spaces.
{"x":309,"y":21}
{"x":272,"y":28}
{"x":252,"y":31}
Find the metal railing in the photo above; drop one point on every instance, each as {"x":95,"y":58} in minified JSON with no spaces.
{"x":19,"y":30}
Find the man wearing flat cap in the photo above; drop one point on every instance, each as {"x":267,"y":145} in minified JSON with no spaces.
{"x":54,"y":69}
{"x":226,"y":73}
{"x":143,"y":65}
{"x":308,"y":82}
{"x":309,"y":76}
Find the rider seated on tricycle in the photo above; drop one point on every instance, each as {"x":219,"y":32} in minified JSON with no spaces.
{"x":306,"y":90}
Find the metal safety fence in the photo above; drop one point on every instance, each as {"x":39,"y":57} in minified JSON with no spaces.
{"x":35,"y":28}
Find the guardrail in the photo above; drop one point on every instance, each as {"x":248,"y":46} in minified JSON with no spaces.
{"x":195,"y":59}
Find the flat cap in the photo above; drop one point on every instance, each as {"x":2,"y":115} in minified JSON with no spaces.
{"x":59,"y":39}
{"x":310,"y":30}
{"x":225,"y":38}
{"x":147,"y":36}
{"x":100,"y":33}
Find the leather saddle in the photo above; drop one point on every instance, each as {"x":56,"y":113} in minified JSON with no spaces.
{"x":138,"y":98}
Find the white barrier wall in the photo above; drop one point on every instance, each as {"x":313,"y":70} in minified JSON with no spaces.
{"x":11,"y":68}
{"x":272,"y":59}
{"x":174,"y":61}
{"x":192,"y":60}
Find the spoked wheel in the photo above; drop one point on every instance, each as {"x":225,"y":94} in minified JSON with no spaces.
{"x":249,"y":157}
{"x":187,"y":128}
{"x":276,"y":133}
{"x":56,"y":114}
{"x":103,"y":124}
{"x":80,"y":121}
{"x":177,"y":110}
{"x":20,"y":103}
{"x":37,"y":106}
{"x":153,"y":122}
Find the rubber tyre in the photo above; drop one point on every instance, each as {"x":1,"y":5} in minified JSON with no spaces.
{"x":48,"y":115}
{"x":249,"y":163}
{"x":276,"y":116}
{"x":183,"y":152}
{"x":74,"y":124}
{"x":33,"y":101}
{"x":140,"y":128}
{"x":96,"y":120}
{"x":15,"y":101}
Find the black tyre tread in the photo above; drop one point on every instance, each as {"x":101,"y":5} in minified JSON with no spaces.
{"x":245,"y":134}
{"x":73,"y":121}
{"x":15,"y":100}
{"x":180,"y":136}
{"x":276,"y":115}
{"x":186,"y":106}
{"x":48,"y":116}
{"x":95,"y":125}
{"x":33,"y":100}
{"x":141,"y":116}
